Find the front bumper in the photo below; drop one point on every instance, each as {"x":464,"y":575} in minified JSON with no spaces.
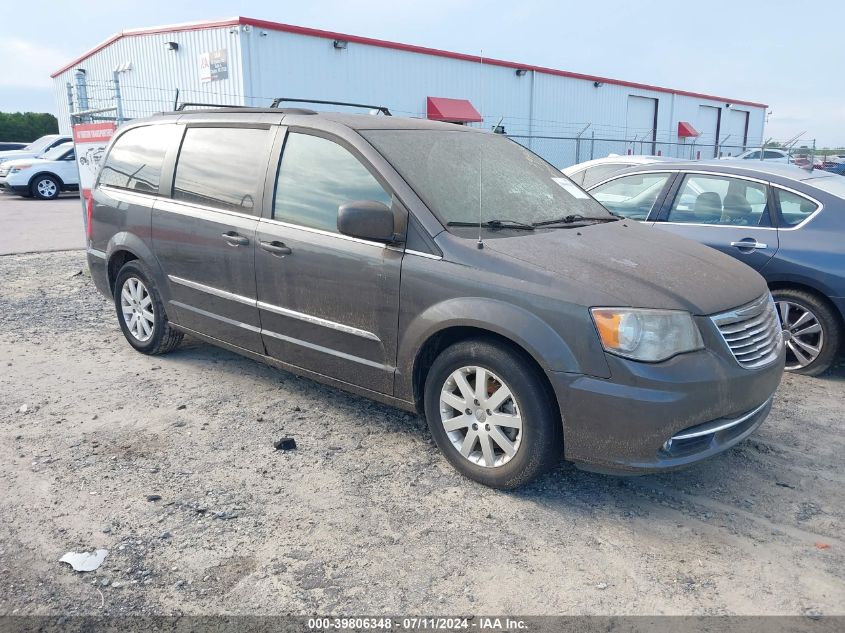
{"x":622,"y":424}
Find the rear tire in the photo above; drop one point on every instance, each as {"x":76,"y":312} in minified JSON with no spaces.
{"x":810,"y":324}
{"x":45,"y":187}
{"x":504,"y":441}
{"x":140,"y":311}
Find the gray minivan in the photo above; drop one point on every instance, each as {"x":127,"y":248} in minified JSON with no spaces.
{"x":440,"y":269}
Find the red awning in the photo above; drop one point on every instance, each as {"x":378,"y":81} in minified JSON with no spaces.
{"x":685,"y":130}
{"x":456,"y":110}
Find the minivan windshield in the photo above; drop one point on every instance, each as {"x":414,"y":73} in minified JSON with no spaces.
{"x":467,"y":177}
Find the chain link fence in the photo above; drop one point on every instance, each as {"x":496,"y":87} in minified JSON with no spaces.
{"x":563,"y":151}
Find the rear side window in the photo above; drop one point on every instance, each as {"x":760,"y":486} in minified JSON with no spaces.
{"x":705,"y":199}
{"x":317,"y":176}
{"x":794,"y":209}
{"x":221,"y":167}
{"x":135,"y":159}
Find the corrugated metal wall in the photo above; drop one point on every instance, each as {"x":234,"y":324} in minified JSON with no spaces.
{"x":156,"y":72}
{"x":265,"y":63}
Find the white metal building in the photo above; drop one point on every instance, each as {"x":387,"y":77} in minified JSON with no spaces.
{"x":244,"y":61}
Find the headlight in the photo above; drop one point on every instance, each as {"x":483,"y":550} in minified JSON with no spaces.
{"x":647,"y":335}
{"x":18,"y":168}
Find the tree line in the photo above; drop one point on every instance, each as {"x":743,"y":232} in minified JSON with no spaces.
{"x":26,"y":126}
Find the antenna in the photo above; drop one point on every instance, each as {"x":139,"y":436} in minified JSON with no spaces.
{"x":480,"y":243}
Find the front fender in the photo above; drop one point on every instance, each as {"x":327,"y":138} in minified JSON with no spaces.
{"x":548,"y":348}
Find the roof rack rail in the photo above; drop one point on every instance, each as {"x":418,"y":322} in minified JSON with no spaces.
{"x":198,"y":104}
{"x":279,"y":100}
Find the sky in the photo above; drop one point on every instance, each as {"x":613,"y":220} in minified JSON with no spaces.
{"x":787,"y":54}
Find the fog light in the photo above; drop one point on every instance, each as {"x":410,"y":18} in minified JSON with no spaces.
{"x":667,"y":445}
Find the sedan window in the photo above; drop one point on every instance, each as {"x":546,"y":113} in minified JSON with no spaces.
{"x":631,"y":196}
{"x":794,"y":209}
{"x":721,"y":200}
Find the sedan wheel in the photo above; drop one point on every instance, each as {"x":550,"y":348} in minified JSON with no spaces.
{"x":136,"y":305}
{"x":802,"y":334}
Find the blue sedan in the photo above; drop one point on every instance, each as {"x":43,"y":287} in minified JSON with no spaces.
{"x":786,"y":222}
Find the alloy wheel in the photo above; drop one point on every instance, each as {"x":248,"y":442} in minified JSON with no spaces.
{"x":46,"y":188}
{"x":802,"y":334}
{"x":136,"y":304}
{"x":481,"y":416}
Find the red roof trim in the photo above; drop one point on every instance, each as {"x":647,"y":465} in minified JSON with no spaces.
{"x":454,"y":110}
{"x":410,"y":48}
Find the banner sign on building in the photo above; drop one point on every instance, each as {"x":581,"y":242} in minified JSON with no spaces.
{"x":90,"y":141}
{"x":214,"y":65}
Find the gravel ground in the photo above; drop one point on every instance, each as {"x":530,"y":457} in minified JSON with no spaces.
{"x":364,"y":516}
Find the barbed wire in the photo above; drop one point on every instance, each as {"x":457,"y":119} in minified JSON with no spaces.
{"x":139,"y":100}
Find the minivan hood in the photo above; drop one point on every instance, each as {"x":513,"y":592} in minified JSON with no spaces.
{"x":639,"y":266}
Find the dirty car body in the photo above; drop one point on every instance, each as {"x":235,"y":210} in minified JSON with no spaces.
{"x":264,"y":269}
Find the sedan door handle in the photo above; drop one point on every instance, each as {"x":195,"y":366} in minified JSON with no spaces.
{"x":749,"y":244}
{"x":233,"y":239}
{"x":275,"y":247}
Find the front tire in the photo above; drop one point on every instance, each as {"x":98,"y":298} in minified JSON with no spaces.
{"x":491,"y":414}
{"x":812,"y":331}
{"x":140,"y":311}
{"x":45,"y":187}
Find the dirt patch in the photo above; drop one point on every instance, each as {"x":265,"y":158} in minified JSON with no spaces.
{"x":365,"y":516}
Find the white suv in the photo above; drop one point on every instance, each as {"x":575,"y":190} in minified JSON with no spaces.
{"x":37,"y":148}
{"x":44,"y":177}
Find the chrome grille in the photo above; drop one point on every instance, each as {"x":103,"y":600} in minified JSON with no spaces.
{"x":752,"y":332}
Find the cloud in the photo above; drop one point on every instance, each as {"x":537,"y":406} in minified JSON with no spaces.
{"x":28,"y":65}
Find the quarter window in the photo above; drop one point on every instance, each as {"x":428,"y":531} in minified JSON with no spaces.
{"x":719,"y":200}
{"x":221,"y":167}
{"x":316,"y":176}
{"x":631,"y":196}
{"x":794,"y":209}
{"x":135,"y":159}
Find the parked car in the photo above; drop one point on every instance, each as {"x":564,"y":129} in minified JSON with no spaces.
{"x":590,"y":172}
{"x":783,"y":221}
{"x":6,"y":146}
{"x":775,"y":155}
{"x":36,"y":148}
{"x":439,"y":269}
{"x":44,"y":177}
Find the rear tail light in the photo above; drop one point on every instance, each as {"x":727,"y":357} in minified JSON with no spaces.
{"x":89,"y":216}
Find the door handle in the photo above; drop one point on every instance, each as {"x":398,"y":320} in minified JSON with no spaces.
{"x":233,"y":239}
{"x":275,"y":247}
{"x":750,"y":244}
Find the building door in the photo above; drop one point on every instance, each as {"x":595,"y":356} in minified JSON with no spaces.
{"x":641,"y":124}
{"x":709,"y":120}
{"x":735,"y":135}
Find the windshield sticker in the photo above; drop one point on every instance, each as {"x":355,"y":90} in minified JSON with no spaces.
{"x":571,"y":189}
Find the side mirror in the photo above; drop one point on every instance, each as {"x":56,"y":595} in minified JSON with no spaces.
{"x":367,"y":220}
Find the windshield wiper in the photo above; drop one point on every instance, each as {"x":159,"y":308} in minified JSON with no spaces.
{"x":496,"y":224}
{"x":573,"y":219}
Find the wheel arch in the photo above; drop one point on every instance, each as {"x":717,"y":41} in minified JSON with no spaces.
{"x":450,"y":335}
{"x":457,"y":319}
{"x":55,"y":177}
{"x":124,"y":247}
{"x":783,"y":284}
